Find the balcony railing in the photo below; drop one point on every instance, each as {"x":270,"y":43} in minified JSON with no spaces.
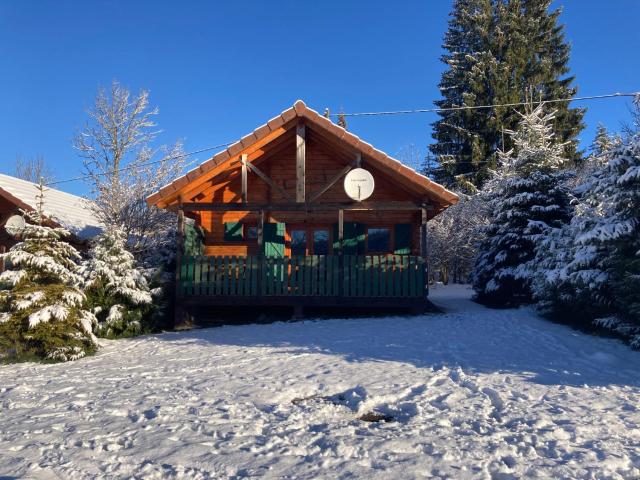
{"x":313,"y":275}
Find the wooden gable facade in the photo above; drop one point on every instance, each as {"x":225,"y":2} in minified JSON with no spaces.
{"x":277,"y":196}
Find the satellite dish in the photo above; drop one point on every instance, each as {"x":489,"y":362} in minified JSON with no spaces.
{"x":14,"y":225}
{"x":359,"y":184}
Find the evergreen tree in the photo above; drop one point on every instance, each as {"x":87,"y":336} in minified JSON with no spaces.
{"x":41,"y":306}
{"x":603,"y":141}
{"x":116,"y":289}
{"x":527,"y":200}
{"x":499,"y":52}
{"x":463,"y":139}
{"x":617,"y":235}
{"x":594,"y":263}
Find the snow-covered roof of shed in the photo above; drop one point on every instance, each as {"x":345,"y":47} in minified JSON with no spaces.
{"x":67,"y":210}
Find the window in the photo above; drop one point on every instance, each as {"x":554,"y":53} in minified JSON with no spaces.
{"x":251,"y":232}
{"x":321,"y":242}
{"x":378,"y":240}
{"x":298,"y":242}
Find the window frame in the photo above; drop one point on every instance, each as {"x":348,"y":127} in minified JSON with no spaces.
{"x":389,"y":249}
{"x":306,"y":242}
{"x":312,"y":240}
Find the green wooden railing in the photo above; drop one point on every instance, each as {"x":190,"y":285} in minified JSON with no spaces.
{"x":314,"y":275}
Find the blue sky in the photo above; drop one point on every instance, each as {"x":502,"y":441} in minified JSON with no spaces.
{"x":219,"y":69}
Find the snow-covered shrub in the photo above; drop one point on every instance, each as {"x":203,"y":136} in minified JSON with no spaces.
{"x":453,"y":239}
{"x":41,"y":304}
{"x":527,"y":200}
{"x":117,"y":290}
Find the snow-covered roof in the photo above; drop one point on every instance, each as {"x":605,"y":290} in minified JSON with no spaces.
{"x":67,"y":210}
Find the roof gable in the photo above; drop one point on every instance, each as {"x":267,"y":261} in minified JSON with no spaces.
{"x":277,"y":127}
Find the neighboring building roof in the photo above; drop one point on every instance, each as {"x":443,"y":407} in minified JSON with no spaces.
{"x":299,"y":109}
{"x":67,"y":210}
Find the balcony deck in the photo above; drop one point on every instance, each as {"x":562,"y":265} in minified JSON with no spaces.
{"x":318,"y":280}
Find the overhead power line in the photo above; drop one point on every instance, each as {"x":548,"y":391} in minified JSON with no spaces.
{"x":130,"y":167}
{"x":358,"y":114}
{"x":477,"y":107}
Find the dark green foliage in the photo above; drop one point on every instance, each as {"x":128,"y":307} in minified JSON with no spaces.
{"x":499,"y":52}
{"x":42,"y":311}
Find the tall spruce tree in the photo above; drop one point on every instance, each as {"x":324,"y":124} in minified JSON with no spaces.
{"x":499,"y":52}
{"x":462,"y":143}
{"x":528,"y":200}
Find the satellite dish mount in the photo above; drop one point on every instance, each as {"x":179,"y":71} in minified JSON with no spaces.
{"x":359,"y":184}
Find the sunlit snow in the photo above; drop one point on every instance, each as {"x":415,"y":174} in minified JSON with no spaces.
{"x":471,"y":393}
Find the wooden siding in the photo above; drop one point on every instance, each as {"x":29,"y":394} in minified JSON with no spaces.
{"x":323,"y":161}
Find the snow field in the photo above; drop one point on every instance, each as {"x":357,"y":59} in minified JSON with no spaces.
{"x":475,"y":393}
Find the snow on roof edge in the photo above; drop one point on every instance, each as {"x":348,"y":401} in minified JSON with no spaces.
{"x":69,"y":211}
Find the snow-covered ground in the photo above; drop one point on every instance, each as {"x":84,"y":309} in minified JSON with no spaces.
{"x":475,"y":393}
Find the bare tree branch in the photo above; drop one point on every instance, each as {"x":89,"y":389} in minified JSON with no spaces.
{"x":120,"y":133}
{"x":32,"y":169}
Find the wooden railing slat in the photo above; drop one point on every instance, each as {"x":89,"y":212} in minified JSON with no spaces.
{"x":366,"y":276}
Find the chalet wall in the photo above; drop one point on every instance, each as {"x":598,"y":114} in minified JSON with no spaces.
{"x":322,"y":163}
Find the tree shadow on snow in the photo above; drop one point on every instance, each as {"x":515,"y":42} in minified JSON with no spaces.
{"x":512,"y":342}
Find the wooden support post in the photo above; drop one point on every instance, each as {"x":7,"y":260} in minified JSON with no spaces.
{"x":179,"y":313}
{"x":260,"y":252}
{"x":243,"y":160}
{"x":300,"y":162}
{"x":298,"y":312}
{"x":423,"y":249}
{"x":261,"y":232}
{"x":341,"y":250}
{"x":341,"y":230}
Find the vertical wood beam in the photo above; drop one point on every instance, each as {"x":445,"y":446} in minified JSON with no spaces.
{"x":341,"y":231}
{"x":260,"y":252}
{"x":261,"y":232}
{"x":243,"y":160}
{"x":179,"y":314}
{"x":340,"y":251}
{"x":423,"y":248}
{"x":300,"y":162}
{"x":423,"y":233}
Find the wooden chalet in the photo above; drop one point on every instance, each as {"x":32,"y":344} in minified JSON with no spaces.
{"x":267,"y":222}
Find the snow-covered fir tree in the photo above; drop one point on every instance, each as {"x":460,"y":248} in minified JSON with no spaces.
{"x":41,"y":304}
{"x":594,"y":262}
{"x":117,"y":290}
{"x":527,"y":199}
